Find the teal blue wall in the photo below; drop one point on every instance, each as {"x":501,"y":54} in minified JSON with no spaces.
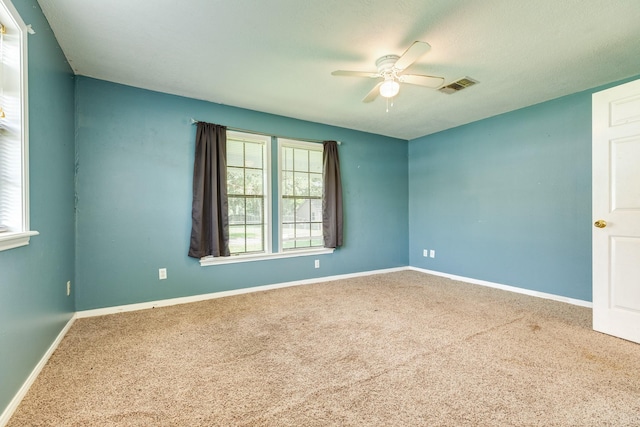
{"x":33,"y":303}
{"x":508,"y":199}
{"x":135,"y":153}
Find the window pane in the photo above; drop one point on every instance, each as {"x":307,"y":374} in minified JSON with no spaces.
{"x":303,"y":231}
{"x":315,"y":185}
{"x":316,"y":210}
{"x":316,"y":234}
{"x":288,"y":236}
{"x":301,"y":184}
{"x":236,"y":239}
{"x":235,"y":181}
{"x":254,"y":180}
{"x":301,"y":160}
{"x":303,"y":235}
{"x":316,"y":230}
{"x":255,"y":238}
{"x":287,"y":158}
{"x":315,"y":161}
{"x":303,"y":210}
{"x":235,"y":156}
{"x":288,"y":210}
{"x":236,"y":210}
{"x":254,"y":211}
{"x":287,"y":183}
{"x":253,"y":155}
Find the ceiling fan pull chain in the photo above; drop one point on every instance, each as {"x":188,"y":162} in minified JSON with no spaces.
{"x":391,"y":103}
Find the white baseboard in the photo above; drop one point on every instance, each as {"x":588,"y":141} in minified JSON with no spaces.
{"x":13,"y":405}
{"x":222,"y":294}
{"x":203,"y":297}
{"x":544,"y":295}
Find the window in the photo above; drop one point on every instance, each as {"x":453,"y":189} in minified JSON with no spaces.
{"x":14,"y":186}
{"x":293,"y":200}
{"x":248,"y":192}
{"x":301,"y":194}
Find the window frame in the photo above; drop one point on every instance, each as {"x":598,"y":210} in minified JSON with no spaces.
{"x":294,"y":144}
{"x":265,"y":141}
{"x":18,"y":234}
{"x":273,"y":207}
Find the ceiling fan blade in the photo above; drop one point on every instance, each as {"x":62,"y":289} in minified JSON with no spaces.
{"x":373,"y":94}
{"x":411,"y":55}
{"x":355,"y":73}
{"x":420,"y":80}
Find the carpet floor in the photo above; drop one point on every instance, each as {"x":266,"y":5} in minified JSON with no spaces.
{"x":397,"y":349}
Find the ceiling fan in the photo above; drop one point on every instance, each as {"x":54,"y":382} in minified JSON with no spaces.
{"x":390,"y":70}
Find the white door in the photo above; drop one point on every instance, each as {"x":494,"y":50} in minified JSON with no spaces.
{"x":616,"y":211}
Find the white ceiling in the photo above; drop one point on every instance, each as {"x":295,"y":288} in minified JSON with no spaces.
{"x":277,"y":56}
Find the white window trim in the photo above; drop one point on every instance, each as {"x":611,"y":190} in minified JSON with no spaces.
{"x":293,"y":253}
{"x":13,"y":239}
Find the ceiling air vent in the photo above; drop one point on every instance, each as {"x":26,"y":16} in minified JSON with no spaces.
{"x":458,"y":85}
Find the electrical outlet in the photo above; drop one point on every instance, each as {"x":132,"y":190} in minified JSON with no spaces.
{"x":432,"y":253}
{"x":69,"y":288}
{"x":317,"y":263}
{"x":425,"y":253}
{"x":162,"y":273}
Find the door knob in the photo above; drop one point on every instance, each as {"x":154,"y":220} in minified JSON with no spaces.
{"x":601,"y":223}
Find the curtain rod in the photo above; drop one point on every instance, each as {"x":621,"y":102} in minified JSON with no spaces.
{"x":194,"y":122}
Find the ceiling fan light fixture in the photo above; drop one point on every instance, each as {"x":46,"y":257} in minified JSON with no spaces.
{"x":389,"y":88}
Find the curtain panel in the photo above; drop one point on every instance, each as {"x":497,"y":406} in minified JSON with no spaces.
{"x":332,"y":220}
{"x":209,"y":209}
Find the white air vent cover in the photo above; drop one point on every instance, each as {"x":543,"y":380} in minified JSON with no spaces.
{"x":458,"y":85}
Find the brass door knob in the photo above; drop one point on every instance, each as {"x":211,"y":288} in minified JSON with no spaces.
{"x":601,"y":223}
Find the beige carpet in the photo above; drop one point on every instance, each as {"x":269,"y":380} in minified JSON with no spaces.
{"x":399,"y":349}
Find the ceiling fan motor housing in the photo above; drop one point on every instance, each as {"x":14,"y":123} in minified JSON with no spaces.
{"x":385,"y":63}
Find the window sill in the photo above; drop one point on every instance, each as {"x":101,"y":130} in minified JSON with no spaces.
{"x":15,"y":240}
{"x":206,"y":261}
